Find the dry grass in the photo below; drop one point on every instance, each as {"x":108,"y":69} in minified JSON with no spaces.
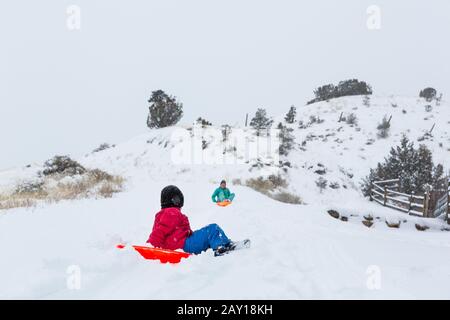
{"x":237,"y":182}
{"x":268,"y":185}
{"x":93,"y":183}
{"x":108,"y":188}
{"x":265,"y":185}
{"x":70,"y":191}
{"x":21,"y":199}
{"x":287,"y":197}
{"x":12,"y":203}
{"x":260,"y":184}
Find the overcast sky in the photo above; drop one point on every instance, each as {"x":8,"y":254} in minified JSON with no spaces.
{"x":65,"y":91}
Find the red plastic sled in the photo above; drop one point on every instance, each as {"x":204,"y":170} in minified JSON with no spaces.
{"x":162,"y":255}
{"x":223,"y":203}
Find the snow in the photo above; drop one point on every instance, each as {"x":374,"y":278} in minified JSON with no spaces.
{"x":298,"y":251}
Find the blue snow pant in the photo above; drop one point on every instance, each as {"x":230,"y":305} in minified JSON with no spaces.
{"x":211,"y":236}
{"x":221,"y":197}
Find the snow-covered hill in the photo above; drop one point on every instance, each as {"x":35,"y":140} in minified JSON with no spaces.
{"x":298,"y":251}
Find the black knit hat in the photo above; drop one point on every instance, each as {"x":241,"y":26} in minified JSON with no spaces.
{"x":171,"y":196}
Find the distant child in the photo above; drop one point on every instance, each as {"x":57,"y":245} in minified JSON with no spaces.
{"x":222,"y":193}
{"x":171,"y":229}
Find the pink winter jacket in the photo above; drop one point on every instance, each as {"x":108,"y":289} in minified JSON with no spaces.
{"x":170,"y":230}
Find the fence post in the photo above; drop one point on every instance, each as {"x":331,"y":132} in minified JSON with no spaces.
{"x":448,"y":201}
{"x":432,"y":127}
{"x":371,"y":190}
{"x":385,"y":195}
{"x":426,"y":200}
{"x":448,"y":209}
{"x":411,"y":199}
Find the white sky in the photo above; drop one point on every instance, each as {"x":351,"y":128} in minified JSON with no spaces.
{"x":65,"y":92}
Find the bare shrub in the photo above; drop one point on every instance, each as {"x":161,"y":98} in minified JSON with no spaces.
{"x":62,"y":165}
{"x":351,"y":119}
{"x":315,"y":119}
{"x":102,"y":147}
{"x":428,"y":94}
{"x":27,"y":187}
{"x":321,"y":183}
{"x":226,"y":131}
{"x":334,"y":185}
{"x":383,"y":128}
{"x":366,"y":101}
{"x":203,"y":122}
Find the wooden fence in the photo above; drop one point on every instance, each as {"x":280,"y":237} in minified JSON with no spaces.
{"x":441,"y":198}
{"x":431,"y":204}
{"x":442,"y":206}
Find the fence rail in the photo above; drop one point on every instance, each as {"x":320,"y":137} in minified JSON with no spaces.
{"x":429,"y":205}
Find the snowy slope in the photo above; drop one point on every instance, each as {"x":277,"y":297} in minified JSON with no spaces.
{"x":298,"y":251}
{"x":351,"y":150}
